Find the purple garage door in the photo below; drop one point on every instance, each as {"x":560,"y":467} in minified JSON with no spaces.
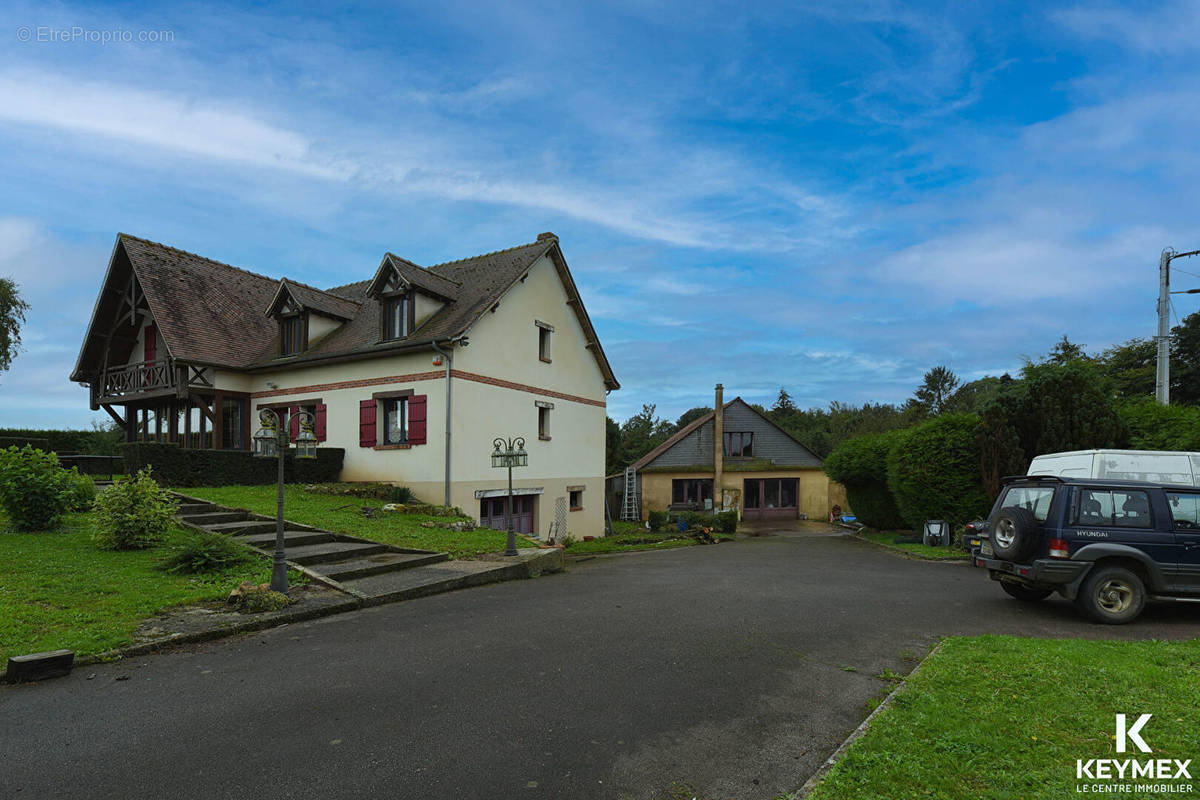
{"x":771,"y":498}
{"x":491,"y":513}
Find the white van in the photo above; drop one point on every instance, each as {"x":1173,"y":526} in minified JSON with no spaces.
{"x":1156,"y":466}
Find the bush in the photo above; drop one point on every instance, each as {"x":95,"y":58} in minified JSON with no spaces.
{"x":178,"y":466}
{"x":934,"y":472}
{"x":860,"y":465}
{"x":82,"y":491}
{"x":199,"y":551}
{"x":402,"y":495}
{"x":133,"y":514}
{"x":727,"y":522}
{"x":104,"y":441}
{"x":252,"y":599}
{"x":724,"y":522}
{"x":34,"y":490}
{"x":657,"y":520}
{"x":1158,"y":427}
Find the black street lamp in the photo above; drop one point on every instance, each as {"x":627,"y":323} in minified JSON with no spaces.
{"x":509,"y":453}
{"x":272,"y":439}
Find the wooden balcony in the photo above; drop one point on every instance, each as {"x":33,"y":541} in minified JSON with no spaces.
{"x":141,"y":379}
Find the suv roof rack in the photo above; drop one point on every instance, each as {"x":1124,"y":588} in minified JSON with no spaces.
{"x":1048,"y":478}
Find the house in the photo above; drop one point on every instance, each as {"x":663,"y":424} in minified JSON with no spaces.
{"x":731,"y":458}
{"x":414,"y":371}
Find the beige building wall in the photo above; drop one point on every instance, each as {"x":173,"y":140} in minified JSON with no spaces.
{"x":817,"y":493}
{"x":499,"y":381}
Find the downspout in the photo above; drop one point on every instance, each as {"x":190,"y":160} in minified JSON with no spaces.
{"x":447,"y":358}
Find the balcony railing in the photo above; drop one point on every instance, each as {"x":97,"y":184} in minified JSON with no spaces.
{"x":137,"y":378}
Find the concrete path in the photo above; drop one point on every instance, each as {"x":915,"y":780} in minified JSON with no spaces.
{"x":722,"y":668}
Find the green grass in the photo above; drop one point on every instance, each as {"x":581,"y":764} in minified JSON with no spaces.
{"x":58,"y":591}
{"x":885,"y":538}
{"x":343,"y":515}
{"x":1006,"y":718}
{"x":630,"y":536}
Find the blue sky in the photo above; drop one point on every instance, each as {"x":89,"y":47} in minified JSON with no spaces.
{"x":827,"y":197}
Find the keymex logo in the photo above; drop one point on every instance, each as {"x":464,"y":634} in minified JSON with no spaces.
{"x":1155,"y":769}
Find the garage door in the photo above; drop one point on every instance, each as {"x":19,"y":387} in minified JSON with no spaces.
{"x":771,"y":498}
{"x":491,"y":513}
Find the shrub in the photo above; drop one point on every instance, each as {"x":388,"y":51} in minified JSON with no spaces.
{"x":34,"y":490}
{"x":1157,"y":427}
{"x":657,"y":520}
{"x":133,"y":513}
{"x":82,"y":491}
{"x":860,"y":465}
{"x":199,"y":551}
{"x":252,"y":599}
{"x":934,"y":472}
{"x":727,"y":522}
{"x":402,"y":495}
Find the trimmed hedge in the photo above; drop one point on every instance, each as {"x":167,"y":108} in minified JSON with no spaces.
{"x":176,"y":466}
{"x":93,"y":442}
{"x":934,"y":473}
{"x":860,"y":465}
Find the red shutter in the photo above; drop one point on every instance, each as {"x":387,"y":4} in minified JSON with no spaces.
{"x":366,"y":423}
{"x":320,"y":422}
{"x":151,"y":344}
{"x":294,"y":422}
{"x":416,"y":419}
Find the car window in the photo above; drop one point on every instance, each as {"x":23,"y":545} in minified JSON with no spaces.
{"x":1121,"y":508}
{"x":1034,"y":499}
{"x":1185,"y":510}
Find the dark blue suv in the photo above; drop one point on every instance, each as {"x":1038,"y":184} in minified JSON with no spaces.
{"x":1107,"y":545}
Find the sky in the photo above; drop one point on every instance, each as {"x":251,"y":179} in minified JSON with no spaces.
{"x":829,"y":198}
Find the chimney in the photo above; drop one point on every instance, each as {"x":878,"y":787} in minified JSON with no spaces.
{"x":718,"y":447}
{"x":544,"y":236}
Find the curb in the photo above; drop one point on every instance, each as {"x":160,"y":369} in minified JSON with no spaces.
{"x":815,"y":779}
{"x":965,"y":559}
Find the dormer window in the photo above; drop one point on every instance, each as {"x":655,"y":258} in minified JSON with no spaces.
{"x":397,"y":316}
{"x":293,"y":334}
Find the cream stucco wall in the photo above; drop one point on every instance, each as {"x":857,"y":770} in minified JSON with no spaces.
{"x":501,"y":379}
{"x":818,"y":494}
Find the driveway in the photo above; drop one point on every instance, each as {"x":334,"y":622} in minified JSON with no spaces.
{"x":733,"y":669}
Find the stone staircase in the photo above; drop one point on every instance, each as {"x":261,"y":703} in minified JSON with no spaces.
{"x":370,"y":571}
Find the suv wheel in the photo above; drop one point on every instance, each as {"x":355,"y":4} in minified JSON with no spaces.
{"x":1014,"y":534}
{"x":1020,"y":591}
{"x":1112,"y":595}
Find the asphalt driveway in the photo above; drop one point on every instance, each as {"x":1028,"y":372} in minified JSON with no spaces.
{"x":734,"y":670}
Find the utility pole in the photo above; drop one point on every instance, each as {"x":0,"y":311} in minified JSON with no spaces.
{"x":1162,"y":376}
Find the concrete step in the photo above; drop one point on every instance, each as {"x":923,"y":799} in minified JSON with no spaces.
{"x":186,"y":508}
{"x":379,"y":564}
{"x":266,"y":541}
{"x":213,"y":517}
{"x":244,"y":527}
{"x":433,"y":579}
{"x":332,"y":552}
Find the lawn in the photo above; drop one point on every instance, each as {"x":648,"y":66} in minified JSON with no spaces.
{"x":628,"y":536}
{"x":1007,"y":718}
{"x":58,"y":591}
{"x":343,"y":514}
{"x":887,"y":539}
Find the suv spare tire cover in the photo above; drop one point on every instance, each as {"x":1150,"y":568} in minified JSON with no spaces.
{"x":1014,"y":533}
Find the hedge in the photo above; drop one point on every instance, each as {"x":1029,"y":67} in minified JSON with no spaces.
{"x":176,"y":466}
{"x":91,"y":442}
{"x":934,"y":472}
{"x":1157,"y":427}
{"x":860,"y":465}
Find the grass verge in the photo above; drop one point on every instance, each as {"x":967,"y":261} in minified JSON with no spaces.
{"x":1004,"y":717}
{"x":887,"y":539}
{"x":59,"y":591}
{"x":631,"y":536}
{"x":344,"y":515}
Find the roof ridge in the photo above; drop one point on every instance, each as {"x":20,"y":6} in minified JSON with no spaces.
{"x":547,"y":242}
{"x":390,"y":254}
{"x":286,"y":279}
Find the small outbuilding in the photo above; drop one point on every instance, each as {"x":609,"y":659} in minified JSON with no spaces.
{"x":732,"y":458}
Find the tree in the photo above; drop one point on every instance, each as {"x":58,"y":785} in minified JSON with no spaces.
{"x":784,"y":403}
{"x":1131,"y":367}
{"x":612,"y":445}
{"x":973,"y":397}
{"x":1066,"y":350}
{"x":935,"y":391}
{"x":640,"y":434}
{"x":12,"y":317}
{"x":691,"y":415}
{"x":1185,"y":361}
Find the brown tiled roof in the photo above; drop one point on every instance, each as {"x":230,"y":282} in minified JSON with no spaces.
{"x":213,"y":313}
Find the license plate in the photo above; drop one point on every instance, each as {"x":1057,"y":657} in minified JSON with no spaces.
{"x":976,"y":542}
{"x":986,"y":549}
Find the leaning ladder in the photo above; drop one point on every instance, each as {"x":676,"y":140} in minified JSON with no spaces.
{"x":631,"y":509}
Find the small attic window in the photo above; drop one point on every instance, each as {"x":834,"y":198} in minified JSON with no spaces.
{"x":397,"y":315}
{"x":293,"y":334}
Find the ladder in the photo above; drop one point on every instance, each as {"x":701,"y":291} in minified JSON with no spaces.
{"x":631,"y":509}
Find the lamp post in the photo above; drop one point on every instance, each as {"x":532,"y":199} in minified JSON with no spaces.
{"x":509,"y":453}
{"x":272,"y":439}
